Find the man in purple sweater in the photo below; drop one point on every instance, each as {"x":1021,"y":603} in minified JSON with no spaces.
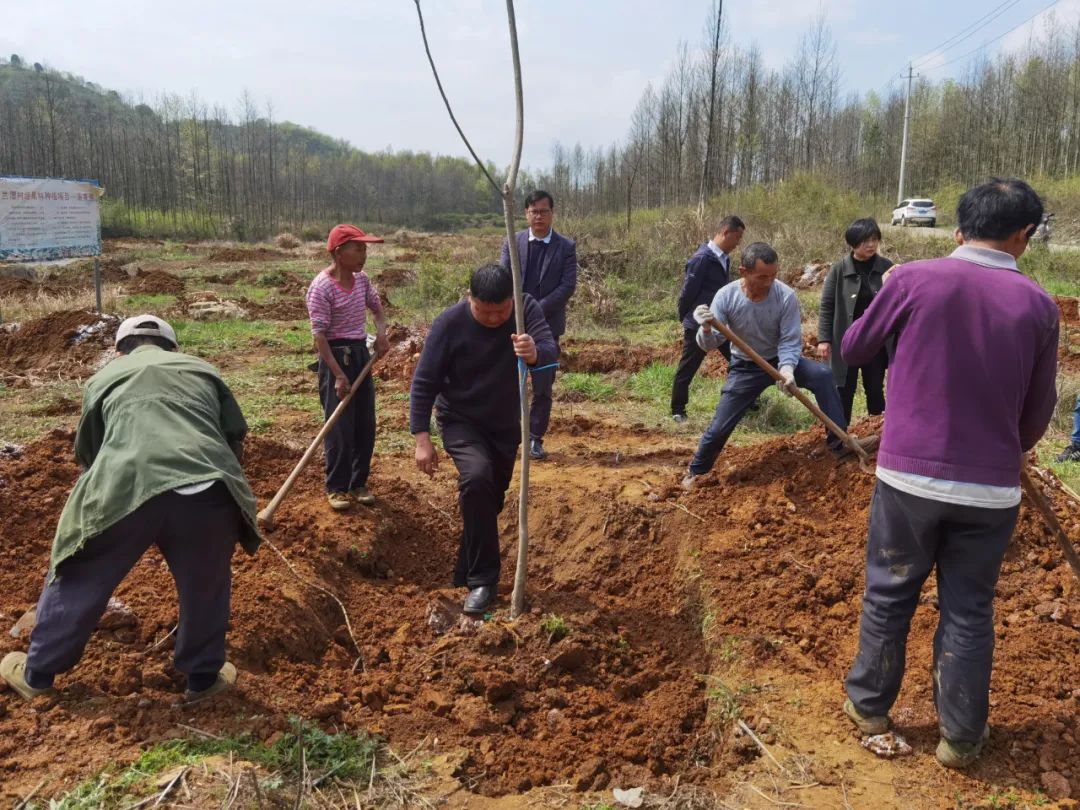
{"x":971,"y":388}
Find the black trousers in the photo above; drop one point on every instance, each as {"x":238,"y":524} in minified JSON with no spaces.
{"x":540,"y":409}
{"x":873,"y":381}
{"x":485,"y":464}
{"x":196,"y":535}
{"x":689,"y":363}
{"x":351,"y":441}
{"x":908,"y":538}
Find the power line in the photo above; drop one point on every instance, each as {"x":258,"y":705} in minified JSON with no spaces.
{"x":968,"y":32}
{"x":995,"y":39}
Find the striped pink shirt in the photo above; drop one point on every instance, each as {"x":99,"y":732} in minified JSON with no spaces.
{"x":339,"y":313}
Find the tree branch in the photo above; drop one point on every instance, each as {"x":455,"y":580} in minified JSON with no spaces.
{"x":446,"y":101}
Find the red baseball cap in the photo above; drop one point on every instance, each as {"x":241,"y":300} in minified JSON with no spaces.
{"x":340,"y":234}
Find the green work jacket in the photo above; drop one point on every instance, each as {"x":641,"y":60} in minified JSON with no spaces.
{"x":152,"y":421}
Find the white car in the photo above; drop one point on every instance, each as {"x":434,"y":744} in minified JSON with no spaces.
{"x":917,"y":211}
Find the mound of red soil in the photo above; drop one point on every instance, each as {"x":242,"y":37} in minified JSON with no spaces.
{"x":785,"y":549}
{"x":1070,"y":310}
{"x":289,"y":309}
{"x":259,"y":254}
{"x":72,"y":343}
{"x":156,"y":282}
{"x":615,"y":702}
{"x":1069,"y":343}
{"x":775,"y":535}
{"x":406,"y":343}
{"x":394,"y":276}
{"x":598,"y":357}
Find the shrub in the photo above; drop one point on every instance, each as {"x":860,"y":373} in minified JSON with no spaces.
{"x":286,"y":241}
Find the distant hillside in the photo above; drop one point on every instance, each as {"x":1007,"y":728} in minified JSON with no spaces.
{"x":181,"y":167}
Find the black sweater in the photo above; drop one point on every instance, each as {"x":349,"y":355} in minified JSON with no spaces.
{"x":469,"y":371}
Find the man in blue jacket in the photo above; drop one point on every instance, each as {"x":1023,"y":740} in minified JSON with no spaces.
{"x":706,"y":272}
{"x":548,"y":274}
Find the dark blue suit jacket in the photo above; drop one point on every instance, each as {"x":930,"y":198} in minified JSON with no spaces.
{"x":558,"y":275}
{"x":704,"y":276}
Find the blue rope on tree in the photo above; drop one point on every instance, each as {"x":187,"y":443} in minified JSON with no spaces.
{"x":523,"y":373}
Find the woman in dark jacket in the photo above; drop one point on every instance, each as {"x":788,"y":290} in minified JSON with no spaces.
{"x":849,"y":288}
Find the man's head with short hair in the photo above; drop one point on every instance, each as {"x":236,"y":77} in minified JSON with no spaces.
{"x":758,"y":269}
{"x":540,"y":212}
{"x":997,"y":210}
{"x":758,"y":252}
{"x":539,"y":195}
{"x":145,"y":330}
{"x":729,"y":232}
{"x":491,"y":295}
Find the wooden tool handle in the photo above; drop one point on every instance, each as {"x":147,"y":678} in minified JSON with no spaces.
{"x":266,"y":516}
{"x":1042,"y":503}
{"x":811,"y":406}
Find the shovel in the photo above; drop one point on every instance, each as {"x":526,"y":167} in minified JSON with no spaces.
{"x":1042,"y":503}
{"x":860,"y":452}
{"x":266,"y":516}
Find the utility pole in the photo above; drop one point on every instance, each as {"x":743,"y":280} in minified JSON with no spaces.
{"x":903,"y":143}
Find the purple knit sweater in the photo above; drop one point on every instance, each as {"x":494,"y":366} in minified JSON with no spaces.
{"x":972,"y":382}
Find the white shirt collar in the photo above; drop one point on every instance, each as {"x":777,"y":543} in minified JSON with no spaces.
{"x":987,"y":257}
{"x":716,"y":250}
{"x":546,"y":240}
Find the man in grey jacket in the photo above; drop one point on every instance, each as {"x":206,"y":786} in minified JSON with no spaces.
{"x":763,"y":312}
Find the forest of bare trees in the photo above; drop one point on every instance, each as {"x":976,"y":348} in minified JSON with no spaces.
{"x":185,"y":167}
{"x":721,"y":120}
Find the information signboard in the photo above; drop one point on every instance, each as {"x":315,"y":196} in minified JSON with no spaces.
{"x":43,"y":219}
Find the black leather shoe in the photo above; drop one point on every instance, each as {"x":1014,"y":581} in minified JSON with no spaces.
{"x":536,"y":450}
{"x":479,"y":599}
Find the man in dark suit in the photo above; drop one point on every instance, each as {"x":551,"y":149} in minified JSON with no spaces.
{"x":548,"y":274}
{"x":706,"y":272}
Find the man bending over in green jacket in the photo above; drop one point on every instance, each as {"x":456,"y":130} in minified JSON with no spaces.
{"x":160,"y":441}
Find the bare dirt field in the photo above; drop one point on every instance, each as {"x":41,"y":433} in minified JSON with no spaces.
{"x":686,"y":621}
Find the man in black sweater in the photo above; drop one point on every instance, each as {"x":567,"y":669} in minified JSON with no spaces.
{"x":468,"y":371}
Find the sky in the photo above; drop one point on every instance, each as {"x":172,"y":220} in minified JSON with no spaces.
{"x":357,"y":70}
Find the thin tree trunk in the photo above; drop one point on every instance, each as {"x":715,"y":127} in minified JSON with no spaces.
{"x":517,"y":601}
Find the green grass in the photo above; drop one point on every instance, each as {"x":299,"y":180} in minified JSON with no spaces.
{"x":217,"y":337}
{"x":556,"y":627}
{"x":1056,"y":271}
{"x":594,"y":387}
{"x":141,"y":302}
{"x":348,"y":756}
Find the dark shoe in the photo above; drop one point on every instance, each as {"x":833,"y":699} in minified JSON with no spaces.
{"x":479,"y":599}
{"x":536,"y":450}
{"x":960,"y":754}
{"x":1070,"y":453}
{"x":755,"y":405}
{"x":679,"y":418}
{"x":13,"y":670}
{"x":225,"y":679}
{"x":867,"y":725}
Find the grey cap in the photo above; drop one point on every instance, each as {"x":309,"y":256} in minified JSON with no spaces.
{"x":138,"y":325}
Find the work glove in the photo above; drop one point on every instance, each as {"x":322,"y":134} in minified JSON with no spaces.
{"x":703,"y":315}
{"x":787,"y":384}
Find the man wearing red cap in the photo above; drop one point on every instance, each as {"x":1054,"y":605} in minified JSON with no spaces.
{"x":337,"y":301}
